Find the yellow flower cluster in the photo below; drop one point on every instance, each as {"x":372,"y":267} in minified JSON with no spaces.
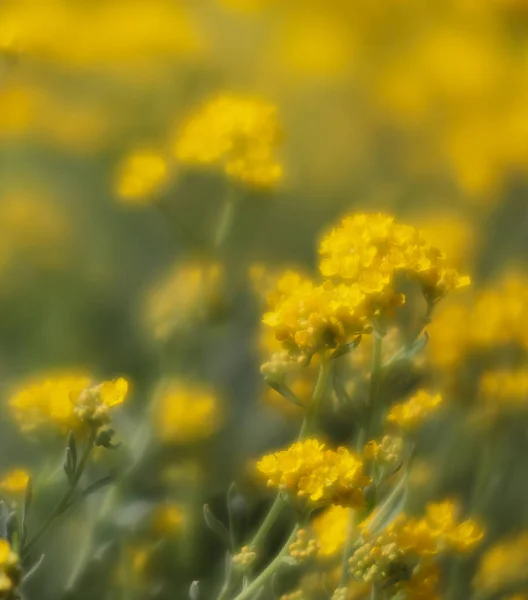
{"x":15,"y":481}
{"x":403,"y":554}
{"x":189,"y":294}
{"x":361,"y":259}
{"x":307,"y":470}
{"x":10,"y":571}
{"x":140,"y":176}
{"x":331,"y":529}
{"x":239,"y":134}
{"x":371,"y":249}
{"x":497,"y":317}
{"x":410,"y":414}
{"x":65,"y":401}
{"x":503,"y":565}
{"x":186,"y":412}
{"x":500,"y":315}
{"x":312,"y":317}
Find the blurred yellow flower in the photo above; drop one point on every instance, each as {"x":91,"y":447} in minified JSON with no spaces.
{"x":64,"y":401}
{"x":104,"y":34}
{"x":15,"y":481}
{"x":186,"y":412}
{"x":140,"y":177}
{"x":307,"y":470}
{"x":9,"y":569}
{"x":168,"y":519}
{"x":331,"y":529}
{"x":239,"y":134}
{"x":189,"y":294}
{"x":410,"y":414}
{"x":503,"y":564}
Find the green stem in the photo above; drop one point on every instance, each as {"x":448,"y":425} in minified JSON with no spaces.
{"x":375,"y":373}
{"x":347,"y":551}
{"x":253,"y":588}
{"x":64,"y":502}
{"x":279,"y":504}
{"x":225,"y":222}
{"x":306,"y":428}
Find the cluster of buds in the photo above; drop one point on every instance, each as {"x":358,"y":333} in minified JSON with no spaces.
{"x":94,"y":403}
{"x":245,"y":558}
{"x":388,"y":453}
{"x":378,"y":561}
{"x":281,"y":363}
{"x":341,"y":593}
{"x":303,"y":547}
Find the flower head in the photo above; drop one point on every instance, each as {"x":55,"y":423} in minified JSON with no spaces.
{"x":331,"y":529}
{"x":238,"y":134}
{"x":65,"y":401}
{"x":140,"y":176}
{"x":410,"y":414}
{"x":503,"y":565}
{"x":320,"y":476}
{"x":186,"y":412}
{"x":189,"y":294}
{"x":371,"y":249}
{"x":309,"y":317}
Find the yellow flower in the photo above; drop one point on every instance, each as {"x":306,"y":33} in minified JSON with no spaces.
{"x":186,"y":412}
{"x":331,"y":529}
{"x":15,"y":481}
{"x":503,"y":565}
{"x":140,"y":176}
{"x":238,"y":134}
{"x":65,"y":401}
{"x":188,"y":295}
{"x":47,"y":400}
{"x":370,"y":249}
{"x":311,"y":318}
{"x":410,"y":414}
{"x":307,"y":470}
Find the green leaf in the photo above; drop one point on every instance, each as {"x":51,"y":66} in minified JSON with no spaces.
{"x":346,"y":348}
{"x":194,"y":591}
{"x":29,"y":574}
{"x":28,"y":498}
{"x":283,"y":390}
{"x":71,"y":445}
{"x":215,"y":525}
{"x":69,"y":466}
